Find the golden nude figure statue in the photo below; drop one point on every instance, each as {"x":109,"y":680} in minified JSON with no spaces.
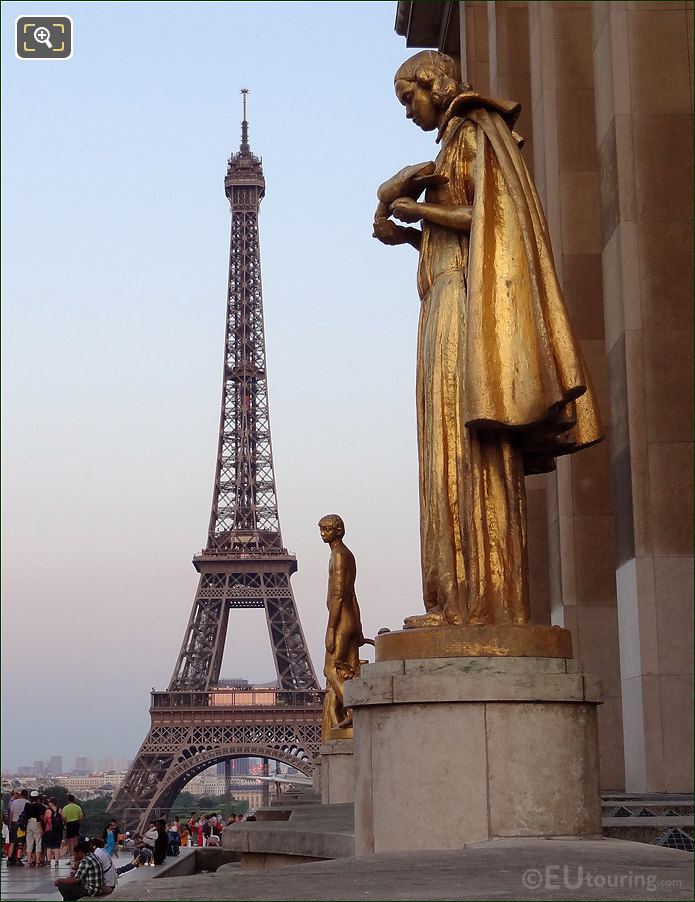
{"x":501,"y":385}
{"x":344,"y":631}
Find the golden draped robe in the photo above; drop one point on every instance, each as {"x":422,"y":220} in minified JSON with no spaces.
{"x":502,"y":388}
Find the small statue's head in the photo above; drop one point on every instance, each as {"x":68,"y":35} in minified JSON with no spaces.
{"x":331,"y":527}
{"x":426,"y":84}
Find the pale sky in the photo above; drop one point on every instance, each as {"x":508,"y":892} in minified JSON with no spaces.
{"x":116,"y":232}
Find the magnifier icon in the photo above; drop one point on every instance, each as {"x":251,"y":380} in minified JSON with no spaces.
{"x":43,"y":36}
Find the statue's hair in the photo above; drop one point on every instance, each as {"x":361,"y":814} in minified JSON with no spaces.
{"x":437,"y":71}
{"x":332,"y":520}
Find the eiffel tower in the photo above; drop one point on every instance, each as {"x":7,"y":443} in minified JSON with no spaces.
{"x":199,"y":721}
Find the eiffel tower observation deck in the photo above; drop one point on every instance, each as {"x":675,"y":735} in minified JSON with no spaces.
{"x":197,"y":721}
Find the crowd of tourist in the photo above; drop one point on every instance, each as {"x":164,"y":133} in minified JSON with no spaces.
{"x":37,"y":832}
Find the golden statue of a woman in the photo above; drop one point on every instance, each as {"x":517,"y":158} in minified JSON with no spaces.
{"x":502,"y":388}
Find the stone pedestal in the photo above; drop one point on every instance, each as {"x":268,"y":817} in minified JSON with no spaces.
{"x":450,"y":751}
{"x":338,"y":772}
{"x":316,"y":780}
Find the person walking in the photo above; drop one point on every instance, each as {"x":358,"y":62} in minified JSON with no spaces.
{"x":53,"y":835}
{"x":72,"y":815}
{"x":17,"y":802}
{"x":34,"y":814}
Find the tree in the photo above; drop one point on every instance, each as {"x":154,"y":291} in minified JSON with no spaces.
{"x":95,"y":817}
{"x":57,"y":792}
{"x":186,"y":800}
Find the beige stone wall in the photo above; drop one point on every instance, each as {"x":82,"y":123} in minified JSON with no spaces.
{"x":580,"y":515}
{"x":642,"y":55}
{"x":541,"y":55}
{"x":475,"y":34}
{"x":607,"y":89}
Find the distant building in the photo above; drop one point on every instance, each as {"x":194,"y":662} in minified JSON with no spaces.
{"x":55,"y":764}
{"x":83,"y":765}
{"x":10,"y":781}
{"x":92,"y":784}
{"x":240,"y":766}
{"x":114,"y":764}
{"x":253,"y":797}
{"x":206,"y":784}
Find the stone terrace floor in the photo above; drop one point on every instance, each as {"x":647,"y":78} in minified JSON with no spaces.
{"x":523,"y":869}
{"x":37,"y":883}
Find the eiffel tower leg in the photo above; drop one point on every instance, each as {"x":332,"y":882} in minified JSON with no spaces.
{"x":200,"y":658}
{"x":265,"y":789}
{"x":133,"y":803}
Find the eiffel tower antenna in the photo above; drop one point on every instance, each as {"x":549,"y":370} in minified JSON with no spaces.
{"x":244,"y":123}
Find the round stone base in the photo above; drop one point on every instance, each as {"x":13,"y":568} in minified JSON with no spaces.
{"x":529,"y":640}
{"x":450,"y":751}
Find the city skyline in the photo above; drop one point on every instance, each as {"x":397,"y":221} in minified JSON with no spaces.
{"x":56,"y":764}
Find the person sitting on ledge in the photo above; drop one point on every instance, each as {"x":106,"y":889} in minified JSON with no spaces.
{"x":88,"y":879}
{"x":104,"y":856}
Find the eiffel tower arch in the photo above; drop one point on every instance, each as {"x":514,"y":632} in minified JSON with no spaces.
{"x":198,"y":721}
{"x":192,"y":731}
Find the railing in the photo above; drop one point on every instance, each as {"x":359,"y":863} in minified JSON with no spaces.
{"x":238,"y":698}
{"x":244,"y":555}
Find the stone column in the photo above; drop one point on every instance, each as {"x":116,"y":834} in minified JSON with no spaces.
{"x":642,"y":60}
{"x":510,"y":63}
{"x":580,"y":515}
{"x":477,"y":45}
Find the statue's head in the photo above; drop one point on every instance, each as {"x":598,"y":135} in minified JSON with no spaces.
{"x":426,"y":84}
{"x":331,"y":527}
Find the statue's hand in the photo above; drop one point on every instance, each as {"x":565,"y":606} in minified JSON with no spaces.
{"x":405,"y":209}
{"x":388,"y":232}
{"x":403,"y":182}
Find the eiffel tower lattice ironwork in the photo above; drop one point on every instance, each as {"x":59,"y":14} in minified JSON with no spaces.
{"x":198,"y":721}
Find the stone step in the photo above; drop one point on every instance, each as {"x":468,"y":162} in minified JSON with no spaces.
{"x":312,"y":833}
